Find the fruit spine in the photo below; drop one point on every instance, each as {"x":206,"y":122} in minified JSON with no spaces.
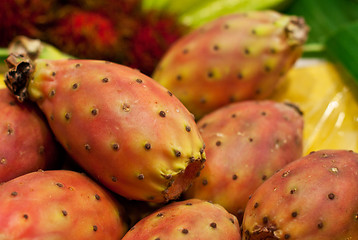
{"x":122,"y":127}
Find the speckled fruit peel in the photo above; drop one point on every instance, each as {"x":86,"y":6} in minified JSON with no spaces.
{"x":235,"y":57}
{"x":246,"y":143}
{"x":27,"y":143}
{"x":314,"y":197}
{"x":192,"y":219}
{"x":122,"y":127}
{"x":58,"y":204}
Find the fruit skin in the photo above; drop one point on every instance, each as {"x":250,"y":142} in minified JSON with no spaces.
{"x":246,"y":143}
{"x":58,"y":204}
{"x":314,"y":197}
{"x":27,"y":143}
{"x":190,"y":219}
{"x":121,"y":126}
{"x":233,"y":58}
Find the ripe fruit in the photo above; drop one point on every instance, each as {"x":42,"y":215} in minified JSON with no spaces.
{"x":192,"y":219}
{"x":27,"y":143}
{"x":246,"y":143}
{"x":314,"y":197}
{"x":126,"y":130}
{"x":58,"y":204}
{"x":233,"y":58}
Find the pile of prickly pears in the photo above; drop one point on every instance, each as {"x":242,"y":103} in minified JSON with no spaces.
{"x":93,"y":149}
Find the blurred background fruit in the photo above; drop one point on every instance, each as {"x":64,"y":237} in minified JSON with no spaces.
{"x":22,"y":17}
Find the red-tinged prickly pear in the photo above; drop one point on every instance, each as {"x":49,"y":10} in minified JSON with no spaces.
{"x":122,"y":127}
{"x":235,"y":57}
{"x":314,"y":197}
{"x":246,"y":143}
{"x":27,"y":143}
{"x":58,"y":204}
{"x":192,"y":219}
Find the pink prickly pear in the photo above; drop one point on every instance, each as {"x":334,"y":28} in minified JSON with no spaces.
{"x":58,"y":204}
{"x":27,"y":143}
{"x":122,"y":127}
{"x":235,"y":57}
{"x":314,"y":197}
{"x":192,"y":219}
{"x":246,"y":143}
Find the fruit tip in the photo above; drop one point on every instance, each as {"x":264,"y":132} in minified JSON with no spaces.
{"x":16,"y":79}
{"x":297,"y":30}
{"x":262,"y":232}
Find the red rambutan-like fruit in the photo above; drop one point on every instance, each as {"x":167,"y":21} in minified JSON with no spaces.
{"x":117,"y":31}
{"x":108,"y":6}
{"x":154,"y":35}
{"x":24,"y":17}
{"x":84,"y":34}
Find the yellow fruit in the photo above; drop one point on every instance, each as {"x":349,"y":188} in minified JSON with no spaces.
{"x":2,"y":83}
{"x":329,"y":104}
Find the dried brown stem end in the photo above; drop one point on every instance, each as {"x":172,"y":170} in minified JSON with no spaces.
{"x":261,"y":232}
{"x":18,"y":76}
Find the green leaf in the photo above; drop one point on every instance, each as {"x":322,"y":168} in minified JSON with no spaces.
{"x":333,"y":31}
{"x":324,"y":16}
{"x":342,"y":48}
{"x":4,"y":53}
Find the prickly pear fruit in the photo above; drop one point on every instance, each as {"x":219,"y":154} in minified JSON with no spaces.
{"x":236,"y":57}
{"x":192,"y":219}
{"x":314,"y":197}
{"x":246,"y":143}
{"x":27,"y":143}
{"x":122,"y":127}
{"x":58,"y":204}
